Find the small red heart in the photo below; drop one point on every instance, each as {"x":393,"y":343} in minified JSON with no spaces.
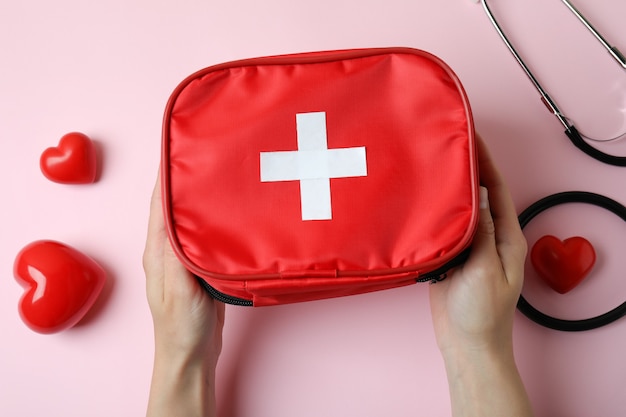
{"x":72,"y":162}
{"x":61,"y":284}
{"x":563,"y":264}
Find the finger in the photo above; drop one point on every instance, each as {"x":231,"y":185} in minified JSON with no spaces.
{"x":156,"y":224}
{"x":153,"y":251}
{"x":159,"y":254}
{"x":510,"y":240}
{"x":485,"y":221}
{"x":484,"y":243}
{"x":500,"y":200}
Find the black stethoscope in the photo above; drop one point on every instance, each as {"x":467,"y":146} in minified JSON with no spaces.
{"x":572,"y":196}
{"x":572,"y":133}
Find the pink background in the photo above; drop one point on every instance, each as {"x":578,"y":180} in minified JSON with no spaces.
{"x":107,"y":69}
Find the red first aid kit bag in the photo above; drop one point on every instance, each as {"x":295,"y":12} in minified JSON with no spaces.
{"x":308,"y":176}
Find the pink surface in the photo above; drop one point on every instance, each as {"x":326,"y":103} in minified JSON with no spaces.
{"x":107,"y":69}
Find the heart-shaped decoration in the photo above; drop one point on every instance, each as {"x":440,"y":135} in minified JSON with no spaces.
{"x":61,"y":284}
{"x":73,"y":161}
{"x":563,"y":264}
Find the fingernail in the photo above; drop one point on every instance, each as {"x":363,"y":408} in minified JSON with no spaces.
{"x":484,"y":198}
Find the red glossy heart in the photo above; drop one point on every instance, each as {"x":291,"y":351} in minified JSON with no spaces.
{"x":61,"y":284}
{"x":73,"y":161}
{"x":563,"y":264}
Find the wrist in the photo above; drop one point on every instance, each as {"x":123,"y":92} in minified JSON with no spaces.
{"x":485,"y":341}
{"x":182,"y":362}
{"x":495,"y":346}
{"x":485,"y":381}
{"x":187,"y":348}
{"x":489,"y":358}
{"x":182,"y":384}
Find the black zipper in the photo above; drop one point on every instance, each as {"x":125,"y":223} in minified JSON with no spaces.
{"x":224,"y":298}
{"x":437,"y":275}
{"x":441,"y":273}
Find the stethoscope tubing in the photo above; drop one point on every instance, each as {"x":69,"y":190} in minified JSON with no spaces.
{"x":615,"y":53}
{"x":557,"y":323}
{"x":570,"y":130}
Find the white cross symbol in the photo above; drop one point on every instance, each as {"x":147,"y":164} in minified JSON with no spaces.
{"x":313,"y":164}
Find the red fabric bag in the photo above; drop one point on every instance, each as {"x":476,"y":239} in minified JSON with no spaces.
{"x":317,"y":175}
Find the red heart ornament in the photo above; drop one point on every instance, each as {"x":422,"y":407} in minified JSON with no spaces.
{"x":73,"y":161}
{"x":563,"y":264}
{"x":61,"y":284}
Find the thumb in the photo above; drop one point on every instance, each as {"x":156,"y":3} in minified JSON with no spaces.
{"x":485,"y":237}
